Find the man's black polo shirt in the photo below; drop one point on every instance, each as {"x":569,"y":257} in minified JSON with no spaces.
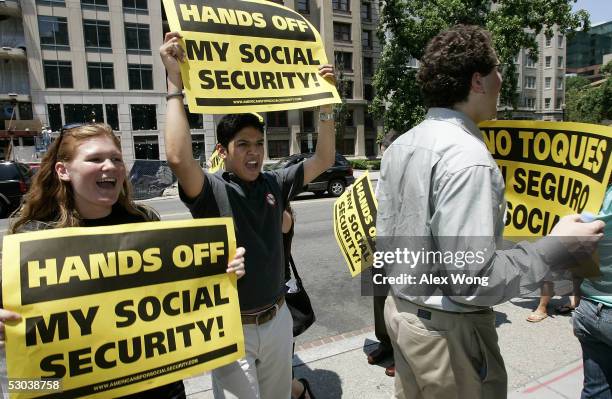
{"x":257,"y":209}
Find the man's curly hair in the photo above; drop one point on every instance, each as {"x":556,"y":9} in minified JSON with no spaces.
{"x":450,"y":60}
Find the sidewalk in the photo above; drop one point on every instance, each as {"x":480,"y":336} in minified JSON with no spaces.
{"x":336,"y":367}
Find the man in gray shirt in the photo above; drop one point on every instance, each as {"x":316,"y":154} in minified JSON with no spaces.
{"x":440,"y":191}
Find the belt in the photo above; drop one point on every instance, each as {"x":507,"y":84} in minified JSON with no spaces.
{"x":263,"y":316}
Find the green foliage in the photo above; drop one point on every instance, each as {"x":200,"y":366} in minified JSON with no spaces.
{"x":586,"y":103}
{"x":406,"y":26}
{"x":363,"y":164}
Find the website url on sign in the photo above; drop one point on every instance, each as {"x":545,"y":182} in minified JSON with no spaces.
{"x":267,"y":100}
{"x":144,"y":376}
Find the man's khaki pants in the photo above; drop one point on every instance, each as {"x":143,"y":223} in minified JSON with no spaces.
{"x":444,"y":355}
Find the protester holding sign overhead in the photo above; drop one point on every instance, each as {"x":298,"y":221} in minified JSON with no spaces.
{"x":82,"y":182}
{"x":441,"y":204}
{"x":255,"y":200}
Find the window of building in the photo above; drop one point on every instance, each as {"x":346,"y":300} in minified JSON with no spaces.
{"x":53,"y":32}
{"x":368,"y":92}
{"x":518,"y":81}
{"x":370,"y":147}
{"x":366,"y":11}
{"x":112,"y":116}
{"x":348,"y":147}
{"x":196,"y":121}
{"x":368,"y":66}
{"x":83,"y":113}
{"x":342,"y":32}
{"x":560,"y":83}
{"x":303,"y":6}
{"x":368,"y":121}
{"x":548,"y":61}
{"x":308,"y":121}
{"x":345,"y":88}
{"x":25,"y":111}
{"x":51,"y":3}
{"x":530,"y":82}
{"x":341,"y":5}
{"x":197,"y":147}
{"x":529,"y":62}
{"x":548,"y":40}
{"x":137,"y":38}
{"x":304,"y":147}
{"x":277,"y":119}
{"x":58,"y":74}
{"x":350,"y":118}
{"x":366,"y":39}
{"x":146,"y":147}
{"x":560,"y":41}
{"x":558,"y":102}
{"x":547,"y":83}
{"x":97,"y":34}
{"x":95,"y":4}
{"x":278,"y":148}
{"x":547,"y":103}
{"x":54,"y":115}
{"x":144,"y":116}
{"x":100,"y":75}
{"x":559,"y":62}
{"x":529,"y":102}
{"x":135,"y":6}
{"x":140,"y":76}
{"x":344,"y":61}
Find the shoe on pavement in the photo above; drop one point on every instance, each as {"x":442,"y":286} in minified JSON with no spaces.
{"x":390,"y":371}
{"x":536,"y":317}
{"x":379,"y":354}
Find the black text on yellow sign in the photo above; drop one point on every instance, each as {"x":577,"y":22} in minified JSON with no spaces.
{"x":355,"y":225}
{"x":122,"y":308}
{"x":551,"y":169}
{"x":246,"y":56}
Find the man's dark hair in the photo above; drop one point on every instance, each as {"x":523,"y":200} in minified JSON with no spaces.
{"x":450,"y":60}
{"x":231,"y":124}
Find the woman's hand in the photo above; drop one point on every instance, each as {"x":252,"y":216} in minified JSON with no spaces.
{"x":237,"y":264}
{"x":7,"y":315}
{"x":172,"y":54}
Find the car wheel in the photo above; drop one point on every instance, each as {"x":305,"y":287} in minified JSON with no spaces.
{"x":336,"y":187}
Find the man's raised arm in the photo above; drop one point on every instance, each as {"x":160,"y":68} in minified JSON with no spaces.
{"x":325,"y":153}
{"x":176,"y":133}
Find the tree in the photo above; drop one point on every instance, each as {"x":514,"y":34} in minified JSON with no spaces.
{"x":589,"y":103}
{"x":406,"y":26}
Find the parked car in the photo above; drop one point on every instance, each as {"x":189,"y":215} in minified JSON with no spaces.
{"x":334,"y":180}
{"x":150,"y":178}
{"x":15,"y":180}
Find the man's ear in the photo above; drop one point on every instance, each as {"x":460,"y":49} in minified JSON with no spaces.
{"x":478,"y":84}
{"x":221,"y":150}
{"x":62,"y":171}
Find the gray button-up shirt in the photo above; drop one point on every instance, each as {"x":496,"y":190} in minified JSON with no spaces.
{"x":439,"y":187}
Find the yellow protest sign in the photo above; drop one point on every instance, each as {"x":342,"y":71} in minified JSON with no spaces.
{"x":551,"y":169}
{"x":245,"y":56}
{"x":215,"y":162}
{"x":115,"y":310}
{"x":355,"y":224}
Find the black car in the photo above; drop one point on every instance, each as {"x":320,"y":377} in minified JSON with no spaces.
{"x":14,"y":183}
{"x":334,"y":180}
{"x":149,"y":178}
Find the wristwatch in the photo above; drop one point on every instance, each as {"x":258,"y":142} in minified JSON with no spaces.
{"x":325,"y":116}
